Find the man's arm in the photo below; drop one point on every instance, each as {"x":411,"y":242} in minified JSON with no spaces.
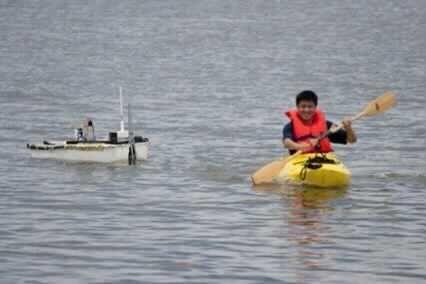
{"x":291,"y":145}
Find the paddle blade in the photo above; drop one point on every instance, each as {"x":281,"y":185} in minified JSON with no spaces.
{"x":267,"y":173}
{"x":380,"y":105}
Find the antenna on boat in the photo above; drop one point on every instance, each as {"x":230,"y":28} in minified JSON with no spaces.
{"x":121,"y":111}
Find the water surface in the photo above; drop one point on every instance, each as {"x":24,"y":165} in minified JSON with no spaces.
{"x":208,"y":81}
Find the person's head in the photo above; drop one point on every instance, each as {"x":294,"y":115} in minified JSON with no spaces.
{"x":306,"y":103}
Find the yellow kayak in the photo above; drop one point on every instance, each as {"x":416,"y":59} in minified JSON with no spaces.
{"x":322,"y":170}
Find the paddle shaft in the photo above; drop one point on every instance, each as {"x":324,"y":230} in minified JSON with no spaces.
{"x":340,"y":126}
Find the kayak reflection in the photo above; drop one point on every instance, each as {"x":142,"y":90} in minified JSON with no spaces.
{"x":306,"y":212}
{"x":303,"y":196}
{"x":310,"y":210}
{"x":312,"y":197}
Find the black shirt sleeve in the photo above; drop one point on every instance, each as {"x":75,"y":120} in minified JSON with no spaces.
{"x":288,"y":131}
{"x":339,"y":137}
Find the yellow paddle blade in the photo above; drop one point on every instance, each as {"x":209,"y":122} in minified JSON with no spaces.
{"x":267,"y":173}
{"x":380,"y":105}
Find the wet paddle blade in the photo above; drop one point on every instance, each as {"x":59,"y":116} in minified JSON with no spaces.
{"x":380,"y":105}
{"x":267,"y":173}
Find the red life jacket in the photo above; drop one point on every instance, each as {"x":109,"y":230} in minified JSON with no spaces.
{"x":303,"y":131}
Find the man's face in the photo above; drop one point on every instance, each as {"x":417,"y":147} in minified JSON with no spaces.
{"x":306,"y":109}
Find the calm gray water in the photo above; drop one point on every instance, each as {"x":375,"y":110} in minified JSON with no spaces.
{"x":208,"y":81}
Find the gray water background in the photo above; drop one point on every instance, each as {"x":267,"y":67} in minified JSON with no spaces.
{"x":208,"y":81}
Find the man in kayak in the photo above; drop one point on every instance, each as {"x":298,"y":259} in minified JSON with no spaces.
{"x":307,"y":122}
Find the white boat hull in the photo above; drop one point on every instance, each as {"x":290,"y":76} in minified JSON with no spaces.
{"x":104,"y":153}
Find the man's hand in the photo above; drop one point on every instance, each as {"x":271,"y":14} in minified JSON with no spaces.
{"x":347,"y":123}
{"x":350,"y":133}
{"x":309,"y":145}
{"x":313,"y":141}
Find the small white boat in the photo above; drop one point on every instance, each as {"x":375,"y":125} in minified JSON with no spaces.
{"x":121,"y":145}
